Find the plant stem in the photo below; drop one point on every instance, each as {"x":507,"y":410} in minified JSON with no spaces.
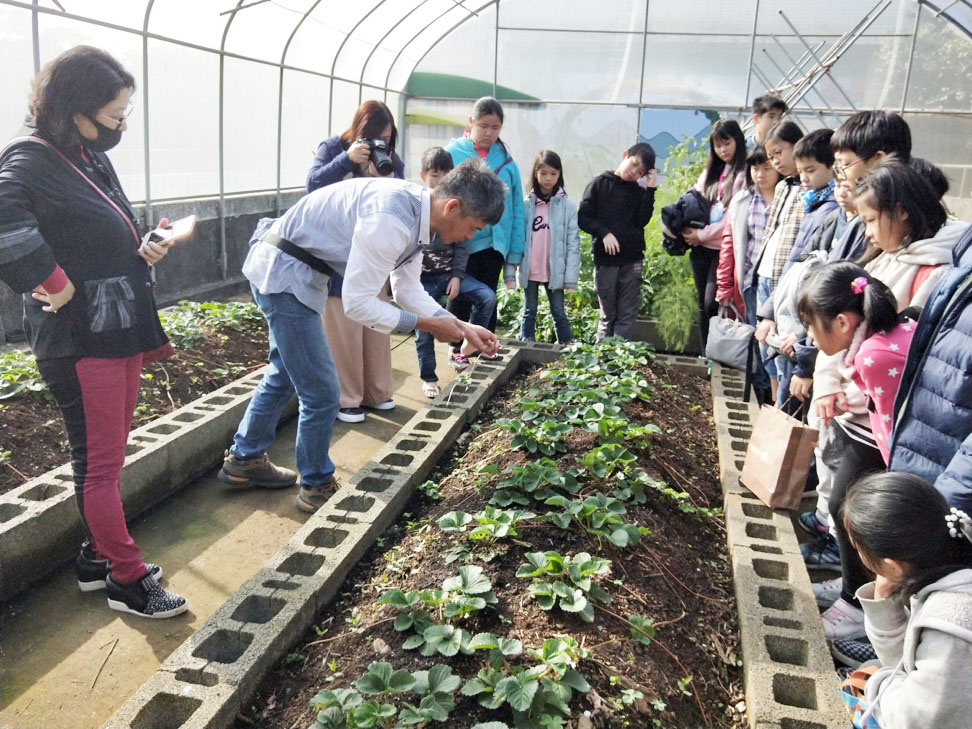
{"x":655,"y":641}
{"x":363,"y":630}
{"x":654,"y":557}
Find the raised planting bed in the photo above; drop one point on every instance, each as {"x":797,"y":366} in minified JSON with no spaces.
{"x":215,"y":344}
{"x":565,"y":566}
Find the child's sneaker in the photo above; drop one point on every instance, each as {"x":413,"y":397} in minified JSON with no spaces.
{"x":827,"y":592}
{"x":144,"y":597}
{"x":458,"y":361}
{"x":256,"y":472}
{"x":92,"y":572}
{"x":852,"y":652}
{"x":822,"y":553}
{"x":842,"y":620}
{"x":812,"y":524}
{"x":312,"y":498}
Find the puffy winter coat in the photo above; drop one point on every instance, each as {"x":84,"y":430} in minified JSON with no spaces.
{"x":691,"y":210}
{"x":735,"y":249}
{"x":932,"y":435}
{"x":564,"y":244}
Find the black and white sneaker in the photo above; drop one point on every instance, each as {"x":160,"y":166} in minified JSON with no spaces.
{"x":852,"y":653}
{"x":93,"y":572}
{"x":145,"y":597}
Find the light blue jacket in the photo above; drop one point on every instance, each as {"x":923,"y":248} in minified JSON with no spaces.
{"x":508,"y":234}
{"x":564,"y":244}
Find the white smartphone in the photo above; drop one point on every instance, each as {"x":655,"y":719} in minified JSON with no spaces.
{"x":177,"y":231}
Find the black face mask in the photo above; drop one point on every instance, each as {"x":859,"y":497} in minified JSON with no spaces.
{"x":107,"y":137}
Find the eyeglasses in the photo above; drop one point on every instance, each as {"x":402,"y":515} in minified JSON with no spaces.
{"x":124,"y":118}
{"x":841,"y":172}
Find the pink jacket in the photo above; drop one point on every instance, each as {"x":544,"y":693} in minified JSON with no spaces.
{"x":711,"y":235}
{"x":878,"y":365}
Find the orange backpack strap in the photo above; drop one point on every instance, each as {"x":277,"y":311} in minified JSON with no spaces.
{"x":856,"y":681}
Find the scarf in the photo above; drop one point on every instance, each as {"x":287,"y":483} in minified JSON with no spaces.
{"x":813,"y":198}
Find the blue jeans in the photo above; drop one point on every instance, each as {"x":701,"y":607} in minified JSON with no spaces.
{"x":761,"y":380}
{"x":474,"y":293}
{"x":763,"y":292}
{"x":300,"y":361}
{"x":528,"y":323}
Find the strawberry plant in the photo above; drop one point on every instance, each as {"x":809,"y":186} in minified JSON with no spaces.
{"x":547,"y":437}
{"x":535,"y":479}
{"x":568,"y":581}
{"x":598,"y":515}
{"x":493,"y":524}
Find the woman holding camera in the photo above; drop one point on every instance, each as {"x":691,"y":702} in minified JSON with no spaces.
{"x":362,"y":356}
{"x":70,"y":238}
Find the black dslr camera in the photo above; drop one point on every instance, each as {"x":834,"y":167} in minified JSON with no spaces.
{"x":379,"y":155}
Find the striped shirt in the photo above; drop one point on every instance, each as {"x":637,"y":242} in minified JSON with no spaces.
{"x":758,"y":215}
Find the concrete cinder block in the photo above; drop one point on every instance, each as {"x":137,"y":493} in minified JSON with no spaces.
{"x":165,"y":702}
{"x":753,"y":525}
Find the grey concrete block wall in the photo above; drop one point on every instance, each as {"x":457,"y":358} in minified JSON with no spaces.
{"x":39,"y":524}
{"x":788,"y":670}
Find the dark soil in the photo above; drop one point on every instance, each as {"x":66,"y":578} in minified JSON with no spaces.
{"x":32,"y":431}
{"x":679,"y":576}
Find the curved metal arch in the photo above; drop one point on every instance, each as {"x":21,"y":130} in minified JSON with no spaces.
{"x":280,"y":84}
{"x":337,"y":54}
{"x":149,"y":212}
{"x":222,"y":150}
{"x":406,"y":45}
{"x":471,"y":14}
{"x":364,"y":66}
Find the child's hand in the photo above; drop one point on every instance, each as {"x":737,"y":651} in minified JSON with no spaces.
{"x":883,"y":587}
{"x":452,"y":289}
{"x":830,"y":406}
{"x":511,"y":285}
{"x":800,"y":387}
{"x":611,"y":245}
{"x":766,"y":326}
{"x":786,"y":347}
{"x":649,"y":180}
{"x":691,"y":236}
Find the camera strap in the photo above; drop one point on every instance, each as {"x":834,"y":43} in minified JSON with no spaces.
{"x":297,"y":252}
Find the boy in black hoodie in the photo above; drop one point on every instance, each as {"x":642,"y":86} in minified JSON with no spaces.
{"x":615,"y":209}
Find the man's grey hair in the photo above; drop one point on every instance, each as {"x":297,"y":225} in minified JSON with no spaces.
{"x":480,"y":192}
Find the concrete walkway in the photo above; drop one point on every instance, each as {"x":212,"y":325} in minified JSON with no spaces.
{"x":54,"y":639}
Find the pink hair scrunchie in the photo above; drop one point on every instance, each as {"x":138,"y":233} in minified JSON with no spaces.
{"x":859,"y":284}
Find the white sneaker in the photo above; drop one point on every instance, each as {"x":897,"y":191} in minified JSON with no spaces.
{"x":843,"y":620}
{"x":387,"y":405}
{"x":827,"y":592}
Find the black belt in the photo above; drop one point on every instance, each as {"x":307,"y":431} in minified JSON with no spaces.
{"x":297,"y":252}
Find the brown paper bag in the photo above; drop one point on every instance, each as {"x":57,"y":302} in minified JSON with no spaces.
{"x":778,"y":458}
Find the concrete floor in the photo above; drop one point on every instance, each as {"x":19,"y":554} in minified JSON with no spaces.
{"x":54,"y":639}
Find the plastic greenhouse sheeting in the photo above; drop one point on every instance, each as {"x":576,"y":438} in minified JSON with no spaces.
{"x":234,"y":96}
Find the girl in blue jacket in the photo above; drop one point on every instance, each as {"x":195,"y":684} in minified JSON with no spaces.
{"x":551,"y":248}
{"x":502,"y":243}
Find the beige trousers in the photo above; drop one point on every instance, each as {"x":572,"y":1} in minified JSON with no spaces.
{"x":361,"y":355}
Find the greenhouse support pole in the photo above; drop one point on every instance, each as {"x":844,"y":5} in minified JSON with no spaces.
{"x":641,"y":84}
{"x":911,"y":59}
{"x":337,"y":55}
{"x":364,"y":66}
{"x":752,"y":53}
{"x":149,"y":211}
{"x":398,"y":55}
{"x":35,"y":36}
{"x":762,"y":77}
{"x":787,"y":76}
{"x":222,"y":151}
{"x":496,"y":48}
{"x":825,"y":68}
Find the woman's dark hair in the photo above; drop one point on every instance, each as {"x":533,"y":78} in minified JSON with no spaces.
{"x":785,"y":131}
{"x":80,"y":81}
{"x":900,"y":516}
{"x":724,"y":130}
{"x":488,"y":106}
{"x":894,"y":185}
{"x":931,"y":172}
{"x":369,"y":121}
{"x":552,"y":159}
{"x":755,"y":158}
{"x":829,"y":291}
{"x":816,"y":145}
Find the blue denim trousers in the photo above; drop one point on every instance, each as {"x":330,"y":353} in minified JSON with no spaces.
{"x":760,"y":377}
{"x":528,"y":322}
{"x":300,"y":361}
{"x":764,"y":292}
{"x":474,"y":293}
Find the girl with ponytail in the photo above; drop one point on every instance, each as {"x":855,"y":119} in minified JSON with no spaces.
{"x":853,"y":316}
{"x":919,"y":606}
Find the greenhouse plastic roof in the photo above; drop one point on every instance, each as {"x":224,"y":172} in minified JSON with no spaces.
{"x":246,"y":89}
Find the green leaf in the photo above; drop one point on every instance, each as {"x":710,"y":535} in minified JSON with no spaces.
{"x":382,"y":678}
{"x":644,"y":629}
{"x":471,"y":581}
{"x":399,"y":599}
{"x":510,"y":646}
{"x":518,"y":694}
{"x":574,"y":602}
{"x":537,"y":564}
{"x":483,"y":641}
{"x":413,"y":641}
{"x":454,"y":521}
{"x":577,"y":682}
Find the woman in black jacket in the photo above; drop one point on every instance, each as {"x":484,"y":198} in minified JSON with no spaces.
{"x":70,"y":238}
